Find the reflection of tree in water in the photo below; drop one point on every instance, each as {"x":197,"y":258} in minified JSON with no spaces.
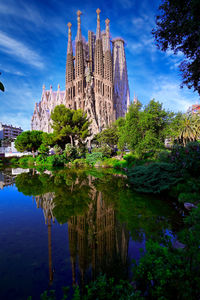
{"x":96,"y":207}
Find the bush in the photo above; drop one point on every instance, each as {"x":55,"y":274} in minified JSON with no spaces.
{"x":56,"y":160}
{"x":130,"y":159}
{"x":168,"y":273}
{"x":153,"y":178}
{"x":79,"y":163}
{"x":57,"y":150}
{"x":26,"y":160}
{"x":92,"y":158}
{"x":70,"y":152}
{"x":188,"y":191}
{"x":105,"y":150}
{"x":14,"y":160}
{"x":187,"y":158}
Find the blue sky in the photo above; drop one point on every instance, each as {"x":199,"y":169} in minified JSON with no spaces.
{"x":33,"y":45}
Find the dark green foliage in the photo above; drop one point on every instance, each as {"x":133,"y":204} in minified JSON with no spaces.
{"x":70,"y":152}
{"x":69,"y":126}
{"x":153,"y":178}
{"x":168,"y":273}
{"x":108,"y":136}
{"x":56,"y":160}
{"x":178,"y":28}
{"x":1,"y":86}
{"x":104,"y":149}
{"x":187,"y":158}
{"x":188,"y":191}
{"x":107,"y":288}
{"x":26,"y":161}
{"x":144,"y":132}
{"x":92,"y":158}
{"x":29,"y":141}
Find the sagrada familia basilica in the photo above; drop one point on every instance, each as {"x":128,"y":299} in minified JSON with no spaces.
{"x":96,"y":80}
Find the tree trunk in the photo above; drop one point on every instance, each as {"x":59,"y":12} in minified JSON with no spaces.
{"x":33,"y":153}
{"x":71,"y":140}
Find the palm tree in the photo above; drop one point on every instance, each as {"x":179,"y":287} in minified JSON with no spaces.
{"x":190,"y":129}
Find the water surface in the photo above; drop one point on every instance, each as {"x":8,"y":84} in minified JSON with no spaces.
{"x":59,"y":228}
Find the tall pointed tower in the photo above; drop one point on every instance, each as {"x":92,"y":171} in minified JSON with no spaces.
{"x":79,"y":66}
{"x":108,"y":78}
{"x":69,"y":70}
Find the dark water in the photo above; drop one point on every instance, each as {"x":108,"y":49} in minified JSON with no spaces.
{"x":65,"y":227}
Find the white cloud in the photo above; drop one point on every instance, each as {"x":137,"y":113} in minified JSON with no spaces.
{"x":173,"y":98}
{"x":16,"y":119}
{"x":19,"y":50}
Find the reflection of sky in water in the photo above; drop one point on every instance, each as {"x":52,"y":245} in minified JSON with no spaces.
{"x":24,"y":257}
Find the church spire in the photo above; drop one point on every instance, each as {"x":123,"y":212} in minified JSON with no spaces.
{"x":69,"y":46}
{"x":107,"y":21}
{"x":79,"y":36}
{"x":98,"y":32}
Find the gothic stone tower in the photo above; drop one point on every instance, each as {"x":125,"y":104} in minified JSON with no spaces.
{"x":91,"y":80}
{"x":96,"y":80}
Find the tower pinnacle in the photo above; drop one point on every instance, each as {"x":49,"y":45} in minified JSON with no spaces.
{"x":69,"y":46}
{"x":79,"y":13}
{"x":98,"y":33}
{"x":107,"y":21}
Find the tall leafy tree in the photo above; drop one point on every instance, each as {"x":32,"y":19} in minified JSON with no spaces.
{"x":29,"y":141}
{"x":108,"y":136}
{"x":178,"y":29}
{"x":69,"y":126}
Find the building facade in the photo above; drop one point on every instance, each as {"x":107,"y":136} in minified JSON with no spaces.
{"x":96,"y":80}
{"x":9,"y":131}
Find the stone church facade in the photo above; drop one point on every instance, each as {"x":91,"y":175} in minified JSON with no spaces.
{"x":96,"y":80}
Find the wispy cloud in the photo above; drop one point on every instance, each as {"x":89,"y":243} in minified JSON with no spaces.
{"x":20,"y":51}
{"x":172,"y":97}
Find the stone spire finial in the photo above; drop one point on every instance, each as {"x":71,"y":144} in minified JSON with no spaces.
{"x":107,"y":21}
{"x":69,"y":46}
{"x":43,"y":87}
{"x":98,"y":32}
{"x":51,"y":87}
{"x":79,"y":13}
{"x":58,"y":87}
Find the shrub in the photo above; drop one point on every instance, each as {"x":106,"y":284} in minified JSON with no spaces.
{"x":188,"y":191}
{"x":70,"y":152}
{"x":57,"y":150}
{"x":14,"y":160}
{"x":56,"y":160}
{"x":92,"y":158}
{"x":153,"y":178}
{"x":168,"y":273}
{"x":79,"y":163}
{"x":26,"y":160}
{"x":130,"y":159}
{"x":187,"y":158}
{"x":105,"y":150}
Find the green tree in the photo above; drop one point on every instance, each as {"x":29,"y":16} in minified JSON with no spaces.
{"x":70,"y":126}
{"x":29,"y":141}
{"x":178,"y":28}
{"x":108,"y":136}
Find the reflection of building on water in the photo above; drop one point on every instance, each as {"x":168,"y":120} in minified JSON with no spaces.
{"x":6,"y":179}
{"x":97,"y":242}
{"x":18,"y":171}
{"x":46,"y":203}
{"x":97,"y":239}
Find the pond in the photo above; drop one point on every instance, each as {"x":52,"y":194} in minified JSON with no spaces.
{"x":60,"y":228}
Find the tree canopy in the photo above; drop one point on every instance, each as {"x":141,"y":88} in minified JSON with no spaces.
{"x":69,"y":125}
{"x":178,"y":29}
{"x":29,"y":141}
